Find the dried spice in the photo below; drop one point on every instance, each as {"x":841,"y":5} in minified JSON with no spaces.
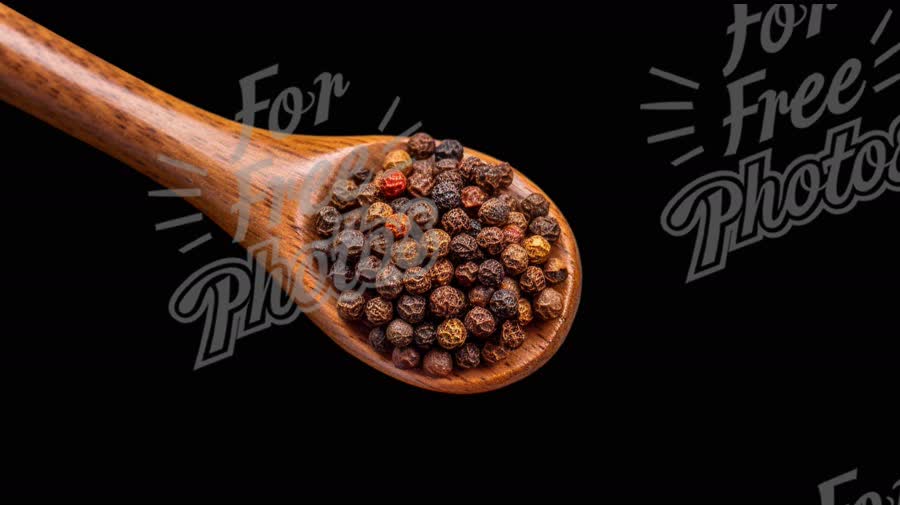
{"x":398,"y":160}
{"x":389,"y":282}
{"x":424,"y":336}
{"x":468,"y":166}
{"x":424,"y":167}
{"x":452,"y":176}
{"x":490,"y":273}
{"x":512,"y":335}
{"x":525,"y":315}
{"x":464,"y":247}
{"x":341,"y":275}
{"x":504,"y":304}
{"x":351,"y":305}
{"x":343,"y":194}
{"x":328,"y":220}
{"x":472,"y":197}
{"x":474,"y":226}
{"x":399,"y":333}
{"x":349,"y":244}
{"x":535,"y":205}
{"x":406,"y":357}
{"x":548,"y":304}
{"x":407,"y":253}
{"x":518,"y":220}
{"x":397,"y":224}
{"x":493,"y":178}
{"x":367,"y":194}
{"x":480,"y":322}
{"x":493,"y":353}
{"x":512,"y":234}
{"x":411,"y":308}
{"x":352,"y":220}
{"x":379,"y":241}
{"x":466,"y":274}
{"x":510,"y":284}
{"x":491,"y":240}
{"x":368,"y":268}
{"x":447,"y":301}
{"x":445,"y":196}
{"x":515,"y":259}
{"x":545,"y":226}
{"x":399,"y":204}
{"x":379,"y":311}
{"x":376,"y":214}
{"x":537,"y":248}
{"x":391,"y":183}
{"x":532,"y":281}
{"x":423,"y":212}
{"x":378,"y":340}
{"x":555,"y":271}
{"x":420,"y":146}
{"x":421,"y":184}
{"x":449,"y":148}
{"x":510,"y":200}
{"x":493,"y":212}
{"x":441,"y":272}
{"x":417,"y":281}
{"x":468,"y":356}
{"x":438,"y":363}
{"x":444,"y":165}
{"x":451,"y":334}
{"x":436,"y":243}
{"x":480,"y":295}
{"x":455,"y":221}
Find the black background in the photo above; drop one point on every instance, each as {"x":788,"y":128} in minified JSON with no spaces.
{"x":753,"y":385}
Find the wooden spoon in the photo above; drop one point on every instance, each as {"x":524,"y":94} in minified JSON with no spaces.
{"x":71,"y":89}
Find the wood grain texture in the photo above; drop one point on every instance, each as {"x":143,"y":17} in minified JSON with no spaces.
{"x":286,"y":178}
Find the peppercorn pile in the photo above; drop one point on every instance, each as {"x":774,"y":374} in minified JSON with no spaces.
{"x":444,"y":268}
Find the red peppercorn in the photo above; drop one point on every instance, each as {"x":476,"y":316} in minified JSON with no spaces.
{"x":392,"y":183}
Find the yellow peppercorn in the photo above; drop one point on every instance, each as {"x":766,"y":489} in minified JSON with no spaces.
{"x":537,"y":248}
{"x":451,"y":334}
{"x":525,"y":314}
{"x":377,"y":213}
{"x":398,"y":159}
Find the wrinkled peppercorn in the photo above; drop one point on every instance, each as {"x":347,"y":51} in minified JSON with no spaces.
{"x":411,"y":308}
{"x":368,"y":268}
{"x":351,"y":305}
{"x":406,"y":357}
{"x":480,"y":322}
{"x":474,"y":226}
{"x":436,"y":243}
{"x":504,"y":304}
{"x":398,"y":160}
{"x":518,"y":220}
{"x":490,"y":273}
{"x":447,"y":301}
{"x":545,"y":226}
{"x":392,"y":183}
{"x":423,"y":212}
{"x":511,"y":334}
{"x":420,"y":184}
{"x":407,"y":253}
{"x":449,"y":148}
{"x":451,"y":334}
{"x":555,"y":271}
{"x":525,"y":315}
{"x":341,"y":275}
{"x":455,"y":221}
{"x":467,"y":167}
{"x":445,"y":196}
{"x":352,"y":220}
{"x":532,"y":280}
{"x":535,"y":205}
{"x":367,"y":194}
{"x":548,"y":304}
{"x":515,"y":259}
{"x":424,"y":336}
{"x":328,"y":219}
{"x":537,"y":248}
{"x":389,"y":282}
{"x":491,"y":240}
{"x":493,"y":178}
{"x":397,"y":224}
{"x":420,"y":145}
{"x":464,"y":247}
{"x":438,"y":363}
{"x":510,"y":284}
{"x":512,"y":234}
{"x":380,"y":241}
{"x":466,"y":274}
{"x":379,"y":311}
{"x":399,"y":333}
{"x":416,"y":281}
{"x":468,"y":356}
{"x":472,"y":197}
{"x":361,"y":172}
{"x":424,"y":167}
{"x":399,"y":204}
{"x":343,"y":194}
{"x":493,"y":212}
{"x":441,"y":272}
{"x":452,"y":176}
{"x":349,"y":244}
{"x":480,"y":295}
{"x":378,"y":340}
{"x":510,"y":200}
{"x":444,"y":165}
{"x":376,"y":214}
{"x":492,"y":353}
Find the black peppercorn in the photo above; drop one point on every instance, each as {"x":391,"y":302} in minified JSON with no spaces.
{"x":548,"y":304}
{"x":424,"y":336}
{"x":424,"y":167}
{"x":491,"y":240}
{"x":480,"y":322}
{"x":423,"y":212}
{"x":468,"y":356}
{"x":436,"y":243}
{"x":493,"y":178}
{"x":452,"y":176}
{"x":510,"y":200}
{"x":447,"y":301}
{"x":407,"y":253}
{"x":512,"y":335}
{"x":399,"y":333}
{"x":411,"y":308}
{"x":545,"y":226}
{"x":421,"y":184}
{"x":328,"y":220}
{"x":379,"y":311}
{"x":515,"y":259}
{"x":451,"y":334}
{"x":480,"y":295}
{"x":379,"y":241}
{"x":466,"y":274}
{"x":351,"y":305}
{"x":555,"y":271}
{"x":349,"y":244}
{"x":493,"y":212}
{"x":455,"y":221}
{"x":468,"y":166}
{"x":367,"y":269}
{"x":532,"y":281}
{"x":510,"y":284}
{"x":405,"y":358}
{"x":367,"y":194}
{"x":417,"y":281}
{"x":341,"y":275}
{"x":343,"y":194}
{"x":399,"y":204}
{"x":378,"y":340}
{"x":535,"y":205}
{"x":445,"y":196}
{"x":352,"y":220}
{"x":438,"y":363}
{"x":464,"y":247}
{"x":518,"y":220}
{"x":493,"y":353}
{"x":449,"y":148}
{"x":474,"y":226}
{"x":504,"y":304}
{"x":389,"y":282}
{"x":441,"y":272}
{"x":490,"y":273}
{"x":420,"y":146}
{"x":444,"y":165}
